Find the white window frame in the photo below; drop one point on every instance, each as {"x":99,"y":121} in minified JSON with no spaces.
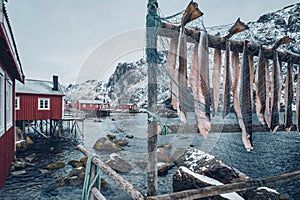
{"x":42,"y":106}
{"x":17,"y":103}
{"x":9,"y":103}
{"x":2,"y":99}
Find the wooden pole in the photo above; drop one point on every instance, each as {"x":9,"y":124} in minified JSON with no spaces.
{"x":233,"y":187}
{"x":172,"y":31}
{"x":132,"y":191}
{"x":151,"y":52}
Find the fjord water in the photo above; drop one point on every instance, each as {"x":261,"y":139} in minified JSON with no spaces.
{"x":273,"y":154}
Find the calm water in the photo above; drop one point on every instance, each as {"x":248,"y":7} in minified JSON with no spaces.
{"x":273,"y":154}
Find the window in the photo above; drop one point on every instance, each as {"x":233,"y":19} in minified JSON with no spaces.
{"x":1,"y":102}
{"x":83,"y":105}
{"x":9,"y":104}
{"x":17,"y":103}
{"x":44,"y":104}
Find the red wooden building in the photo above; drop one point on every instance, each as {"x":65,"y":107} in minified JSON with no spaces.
{"x":39,"y":100}
{"x":88,"y":105}
{"x":10,"y":70}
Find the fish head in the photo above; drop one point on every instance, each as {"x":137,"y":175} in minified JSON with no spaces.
{"x":191,"y":13}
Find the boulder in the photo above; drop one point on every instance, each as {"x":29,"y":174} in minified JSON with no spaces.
{"x":57,"y":165}
{"x":163,"y":168}
{"x":111,"y":137}
{"x":76,"y":176}
{"x":118,"y":164}
{"x":75,"y":163}
{"x":122,"y":143}
{"x":17,"y":173}
{"x":30,"y":157}
{"x":129,"y":136}
{"x":29,"y":140}
{"x":185,"y":179}
{"x":104,"y":185}
{"x":104,"y":144}
{"x":83,"y":161}
{"x":198,"y":169}
{"x":18,"y":165}
{"x":164,"y":153}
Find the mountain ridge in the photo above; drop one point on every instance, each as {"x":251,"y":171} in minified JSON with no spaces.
{"x":128,"y":83}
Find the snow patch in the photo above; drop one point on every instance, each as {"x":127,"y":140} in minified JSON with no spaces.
{"x":208,"y":180}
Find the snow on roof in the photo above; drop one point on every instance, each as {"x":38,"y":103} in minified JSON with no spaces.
{"x":211,"y":181}
{"x":90,"y":101}
{"x":38,"y":87}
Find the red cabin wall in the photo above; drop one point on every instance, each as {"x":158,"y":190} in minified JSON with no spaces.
{"x":29,"y":107}
{"x":7,"y":149}
{"x":87,"y":106}
{"x":7,"y":143}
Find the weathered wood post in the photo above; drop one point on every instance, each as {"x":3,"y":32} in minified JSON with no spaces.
{"x":152,"y":24}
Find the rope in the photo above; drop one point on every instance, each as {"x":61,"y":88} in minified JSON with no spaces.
{"x":87,"y":186}
{"x":158,"y":118}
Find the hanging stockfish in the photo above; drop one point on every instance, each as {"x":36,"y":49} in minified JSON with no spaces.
{"x":298,"y":102}
{"x":216,"y":78}
{"x":251,"y":65}
{"x":236,"y":99}
{"x":276,"y":93}
{"x":199,"y":84}
{"x":236,"y":28}
{"x":288,"y":98}
{"x":277,"y":83}
{"x":269,"y":93}
{"x":204,"y":69}
{"x":191,"y":12}
{"x":182,"y":78}
{"x":245,"y":96}
{"x":236,"y":77}
{"x":194,"y":77}
{"x":227,"y":81}
{"x":261,"y":86}
{"x":236,"y":72}
{"x":172,"y":70}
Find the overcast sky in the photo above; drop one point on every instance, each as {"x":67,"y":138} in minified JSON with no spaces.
{"x":77,"y":39}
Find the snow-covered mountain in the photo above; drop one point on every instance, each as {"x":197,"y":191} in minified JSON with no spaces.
{"x":128,"y":84}
{"x":88,"y":90}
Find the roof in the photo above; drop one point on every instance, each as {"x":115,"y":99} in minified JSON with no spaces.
{"x":90,"y":101}
{"x":8,"y":47}
{"x":38,"y":87}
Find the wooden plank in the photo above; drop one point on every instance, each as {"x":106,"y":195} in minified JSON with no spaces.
{"x":172,"y":31}
{"x":97,"y":194}
{"x":233,"y":187}
{"x":132,"y":191}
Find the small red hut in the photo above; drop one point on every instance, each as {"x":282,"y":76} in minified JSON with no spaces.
{"x":10,"y":70}
{"x":39,"y":100}
{"x":89,"y":105}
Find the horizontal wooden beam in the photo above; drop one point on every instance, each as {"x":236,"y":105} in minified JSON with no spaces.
{"x":232,"y":187}
{"x":172,"y":31}
{"x":227,"y":128}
